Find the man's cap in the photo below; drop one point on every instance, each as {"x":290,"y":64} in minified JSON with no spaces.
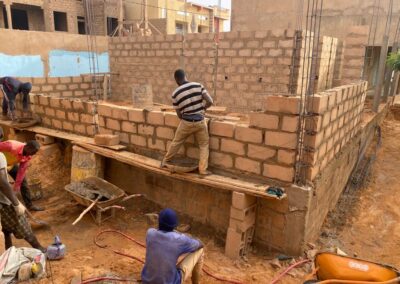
{"x":168,"y":220}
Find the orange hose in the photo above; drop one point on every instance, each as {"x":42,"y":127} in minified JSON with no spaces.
{"x":206,"y":271}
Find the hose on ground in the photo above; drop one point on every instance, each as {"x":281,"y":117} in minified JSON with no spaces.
{"x":205,"y":268}
{"x":286,"y":271}
{"x":394,"y":280}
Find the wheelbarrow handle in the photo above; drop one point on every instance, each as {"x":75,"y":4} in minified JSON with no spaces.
{"x":131,"y":196}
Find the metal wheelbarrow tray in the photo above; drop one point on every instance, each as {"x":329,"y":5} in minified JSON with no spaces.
{"x":98,"y":187}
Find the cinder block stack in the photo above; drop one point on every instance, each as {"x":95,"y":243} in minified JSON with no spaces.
{"x":241,"y":225}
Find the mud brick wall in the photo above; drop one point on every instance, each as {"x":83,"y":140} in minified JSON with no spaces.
{"x":70,"y":115}
{"x":334,"y":119}
{"x":265,"y":147}
{"x":72,"y":87}
{"x":251,"y":65}
{"x":333,"y":180}
{"x":203,"y":204}
{"x":326,"y":63}
{"x":354,"y":54}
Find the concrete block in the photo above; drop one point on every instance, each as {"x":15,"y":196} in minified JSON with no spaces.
{"x":156,"y":144}
{"x":80,"y":128}
{"x":55,"y":102}
{"x":283,"y":104}
{"x":248,"y":213}
{"x":232,"y":146}
{"x":214,"y":143}
{"x":136,"y":115}
{"x":240,"y":226}
{"x":279,"y":172}
{"x":224,"y":129}
{"x":290,"y":123}
{"x":138,"y":140}
{"x":60,"y":114}
{"x":281,"y":139}
{"x":68,"y":126}
{"x":104,"y":110}
{"x":234,"y":243}
{"x":242,"y":201}
{"x":221,"y":159}
{"x":155,"y":117}
{"x":119,"y":113}
{"x":86,"y":118}
{"x":165,"y":132}
{"x":313,"y":123}
{"x":248,"y":165}
{"x":246,"y":134}
{"x":286,"y":157}
{"x":44,"y":139}
{"x":313,"y":141}
{"x":106,"y":139}
{"x":171,"y":120}
{"x":318,"y":104}
{"x":260,"y":152}
{"x":263,"y":120}
{"x":127,"y":126}
{"x":145,"y":129}
{"x":113,"y":124}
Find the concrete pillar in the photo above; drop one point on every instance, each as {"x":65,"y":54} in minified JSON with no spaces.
{"x":86,"y":164}
{"x":9,"y":17}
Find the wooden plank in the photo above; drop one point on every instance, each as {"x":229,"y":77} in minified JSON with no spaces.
{"x":218,"y":181}
{"x":62,"y":135}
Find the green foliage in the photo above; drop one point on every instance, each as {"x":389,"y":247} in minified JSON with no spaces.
{"x":393,"y":60}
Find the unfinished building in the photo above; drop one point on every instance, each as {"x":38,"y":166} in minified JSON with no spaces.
{"x":270,"y":135}
{"x":58,"y":16}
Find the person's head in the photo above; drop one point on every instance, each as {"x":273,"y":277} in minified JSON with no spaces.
{"x":31,"y":148}
{"x":167,"y":220}
{"x":180,"y":77}
{"x":26,"y":88}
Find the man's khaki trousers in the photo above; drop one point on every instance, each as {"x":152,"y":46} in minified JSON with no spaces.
{"x":192,"y":264}
{"x":184,"y":130}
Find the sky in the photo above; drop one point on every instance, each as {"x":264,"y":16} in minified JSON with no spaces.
{"x":224,"y":4}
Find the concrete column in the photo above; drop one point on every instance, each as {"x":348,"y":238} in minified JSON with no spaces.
{"x":9,"y":18}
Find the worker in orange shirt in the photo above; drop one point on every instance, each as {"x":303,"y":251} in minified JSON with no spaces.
{"x":18,"y":155}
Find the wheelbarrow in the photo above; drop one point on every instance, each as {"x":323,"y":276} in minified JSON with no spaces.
{"x":97,"y":194}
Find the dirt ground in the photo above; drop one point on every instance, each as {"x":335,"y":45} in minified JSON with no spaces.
{"x":83,"y":257}
{"x":366,"y":221}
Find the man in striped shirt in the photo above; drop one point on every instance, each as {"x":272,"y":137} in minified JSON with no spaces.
{"x":190,"y":101}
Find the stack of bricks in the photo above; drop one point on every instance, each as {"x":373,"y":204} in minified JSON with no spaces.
{"x":256,"y":64}
{"x":64,"y":114}
{"x":334,"y":119}
{"x":241,"y":225}
{"x":72,"y":87}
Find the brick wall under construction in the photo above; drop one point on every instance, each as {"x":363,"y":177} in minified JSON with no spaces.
{"x":251,"y":65}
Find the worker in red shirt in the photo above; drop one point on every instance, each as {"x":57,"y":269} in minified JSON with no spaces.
{"x":18,"y":155}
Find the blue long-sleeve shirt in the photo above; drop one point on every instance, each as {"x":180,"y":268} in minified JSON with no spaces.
{"x":12,"y":87}
{"x":162,"y":253}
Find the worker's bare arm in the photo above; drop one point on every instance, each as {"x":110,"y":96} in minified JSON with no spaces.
{"x":207,"y":98}
{"x":6,"y":189}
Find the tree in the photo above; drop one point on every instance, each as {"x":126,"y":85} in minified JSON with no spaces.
{"x":393,"y":60}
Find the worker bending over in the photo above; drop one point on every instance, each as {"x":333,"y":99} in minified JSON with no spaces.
{"x":12,"y":212}
{"x":190,"y":101}
{"x":18,"y":155}
{"x":11,"y":88}
{"x":164,"y":247}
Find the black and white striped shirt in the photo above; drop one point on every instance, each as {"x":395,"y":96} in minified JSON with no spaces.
{"x":188,"y":98}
